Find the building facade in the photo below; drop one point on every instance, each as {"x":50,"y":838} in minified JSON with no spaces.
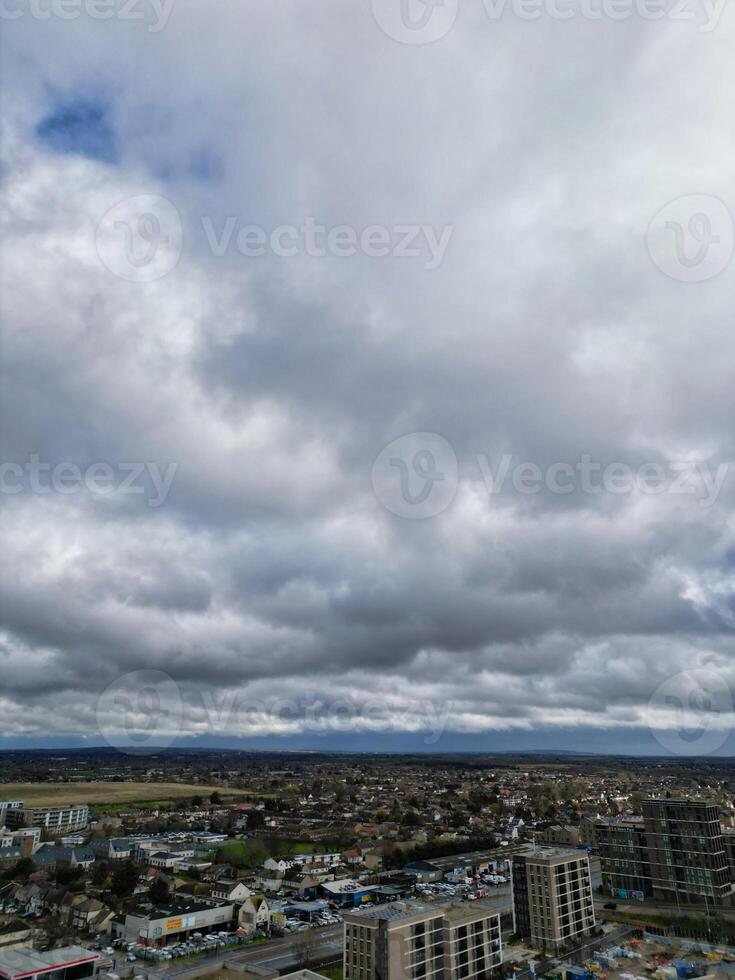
{"x":687,"y":852}
{"x":55,"y":820}
{"x":626,"y":871}
{"x":159,"y":926}
{"x":552,"y":897}
{"x":409,"y":941}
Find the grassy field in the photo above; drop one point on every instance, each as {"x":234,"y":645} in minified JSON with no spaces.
{"x":45,"y":794}
{"x":332,"y":972}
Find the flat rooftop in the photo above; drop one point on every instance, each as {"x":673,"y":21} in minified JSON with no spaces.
{"x":16,"y":962}
{"x":454,"y":911}
{"x":469,"y":912}
{"x":164,"y":912}
{"x":393,"y":911}
{"x":552,"y":854}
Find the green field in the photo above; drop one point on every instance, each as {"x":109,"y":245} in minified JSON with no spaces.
{"x":49,"y":794}
{"x":333,"y":971}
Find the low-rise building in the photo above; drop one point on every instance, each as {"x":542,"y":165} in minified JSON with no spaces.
{"x":66,"y":963}
{"x":27,"y":839}
{"x":112,"y":848}
{"x":346,"y":891}
{"x":228,"y":890}
{"x":159,"y":926}
{"x":254,"y":915}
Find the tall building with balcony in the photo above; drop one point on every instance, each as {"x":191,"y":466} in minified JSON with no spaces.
{"x":55,"y":820}
{"x":623,"y":849}
{"x":552,"y":897}
{"x":410,"y":941}
{"x":687,"y":852}
{"x":472,"y":945}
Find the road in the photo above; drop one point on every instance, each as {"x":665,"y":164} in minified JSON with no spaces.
{"x":642,"y":908}
{"x":276,"y":954}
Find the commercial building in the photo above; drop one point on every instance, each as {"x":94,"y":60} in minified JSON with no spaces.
{"x":158,"y":926}
{"x":344,"y":891}
{"x":67,"y":963}
{"x":408,"y":941}
{"x":552,"y":896}
{"x":687,"y":852}
{"x":55,"y":820}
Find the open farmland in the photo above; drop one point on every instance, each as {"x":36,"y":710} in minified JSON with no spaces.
{"x":49,"y":794}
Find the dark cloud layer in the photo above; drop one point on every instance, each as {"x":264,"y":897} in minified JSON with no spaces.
{"x":270,"y":568}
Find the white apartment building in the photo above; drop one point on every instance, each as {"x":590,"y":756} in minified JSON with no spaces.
{"x":14,"y":838}
{"x":55,"y":820}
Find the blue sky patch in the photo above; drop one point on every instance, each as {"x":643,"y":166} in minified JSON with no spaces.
{"x":79,"y":127}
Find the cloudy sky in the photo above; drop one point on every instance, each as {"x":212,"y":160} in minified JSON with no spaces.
{"x":368,"y":373}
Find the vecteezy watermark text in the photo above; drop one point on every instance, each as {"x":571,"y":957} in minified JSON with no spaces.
{"x":417,"y":476}
{"x":691,"y":712}
{"x":141,"y":239}
{"x":155,"y":13}
{"x":142,"y":711}
{"x":35,"y":476}
{"x":586,"y":475}
{"x":704,"y":13}
{"x":320,"y":240}
{"x":426,"y":21}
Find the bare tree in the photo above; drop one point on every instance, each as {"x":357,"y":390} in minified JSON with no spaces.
{"x":305,"y":945}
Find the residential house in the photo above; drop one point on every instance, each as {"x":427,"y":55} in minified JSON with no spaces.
{"x":112,"y":848}
{"x":229,"y":890}
{"x":254,"y":915}
{"x":90,"y":914}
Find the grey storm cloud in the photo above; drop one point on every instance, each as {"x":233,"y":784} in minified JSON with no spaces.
{"x":270,"y":568}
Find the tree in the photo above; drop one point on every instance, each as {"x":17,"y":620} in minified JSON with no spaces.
{"x":256,"y":819}
{"x":159,"y":891}
{"x":20,"y":870}
{"x":196,"y":801}
{"x":305,"y":946}
{"x":215,"y":799}
{"x":124,"y":880}
{"x":69,"y":875}
{"x":248,"y":854}
{"x":100,"y":872}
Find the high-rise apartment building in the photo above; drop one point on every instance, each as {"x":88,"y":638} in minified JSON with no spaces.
{"x":552,"y":896}
{"x":687,"y":852}
{"x":410,"y":941}
{"x":626,"y":871}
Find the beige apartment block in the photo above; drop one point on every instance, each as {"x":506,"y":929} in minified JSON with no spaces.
{"x":410,"y":941}
{"x":552,"y":897}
